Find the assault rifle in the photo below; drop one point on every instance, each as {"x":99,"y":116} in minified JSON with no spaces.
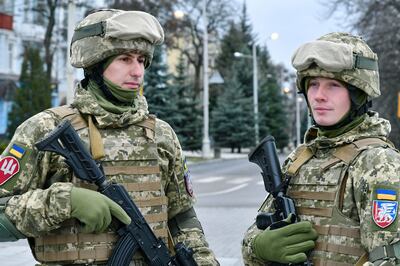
{"x":137,"y":235}
{"x":265,"y":156}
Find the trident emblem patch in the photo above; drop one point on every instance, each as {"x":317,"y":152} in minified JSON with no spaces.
{"x":9,"y":166}
{"x":384,"y":212}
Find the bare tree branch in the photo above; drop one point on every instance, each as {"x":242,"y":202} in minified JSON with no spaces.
{"x":377,"y":22}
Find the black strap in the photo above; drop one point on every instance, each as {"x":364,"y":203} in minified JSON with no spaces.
{"x":385,"y":252}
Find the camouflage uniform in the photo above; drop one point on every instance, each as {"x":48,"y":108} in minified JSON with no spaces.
{"x":137,"y":150}
{"x":42,"y":185}
{"x":375,"y":167}
{"x":346,"y":185}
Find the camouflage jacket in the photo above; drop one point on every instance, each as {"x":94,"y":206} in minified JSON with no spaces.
{"x":40,"y":187}
{"x":374,"y":168}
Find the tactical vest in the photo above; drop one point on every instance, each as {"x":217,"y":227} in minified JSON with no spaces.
{"x":318,"y":185}
{"x":129,"y":156}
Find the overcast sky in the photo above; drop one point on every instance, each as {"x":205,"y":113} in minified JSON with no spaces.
{"x":296,"y":21}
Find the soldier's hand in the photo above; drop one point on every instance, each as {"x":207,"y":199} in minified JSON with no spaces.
{"x":95,"y":210}
{"x":286,"y":244}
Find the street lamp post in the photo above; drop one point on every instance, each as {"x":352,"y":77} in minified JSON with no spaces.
{"x":206,"y":139}
{"x":255,"y":87}
{"x":255,"y":93}
{"x":273,"y":36}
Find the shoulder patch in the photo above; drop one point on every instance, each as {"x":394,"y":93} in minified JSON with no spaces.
{"x":17,"y":151}
{"x":386,"y":194}
{"x":384,"y":206}
{"x":188,"y":179}
{"x":384,"y":212}
{"x":9,"y":166}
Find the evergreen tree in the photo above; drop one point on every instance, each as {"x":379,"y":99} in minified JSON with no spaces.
{"x":188,"y":120}
{"x":33,"y":94}
{"x":237,"y":96}
{"x":238,"y":39}
{"x":157,"y":91}
{"x":273,"y":119}
{"x":232,"y":119}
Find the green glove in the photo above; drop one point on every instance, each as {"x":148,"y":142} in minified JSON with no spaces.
{"x":286,"y":244}
{"x":95,"y":210}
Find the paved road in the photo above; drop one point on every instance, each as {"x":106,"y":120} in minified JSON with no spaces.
{"x":228,"y":195}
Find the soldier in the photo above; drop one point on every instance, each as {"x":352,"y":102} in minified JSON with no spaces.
{"x":345,"y":177}
{"x":67,"y":221}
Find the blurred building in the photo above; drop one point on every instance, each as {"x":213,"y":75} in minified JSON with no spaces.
{"x":23,"y":25}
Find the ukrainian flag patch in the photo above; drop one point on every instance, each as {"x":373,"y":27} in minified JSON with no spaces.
{"x":17,"y":151}
{"x":386,"y":194}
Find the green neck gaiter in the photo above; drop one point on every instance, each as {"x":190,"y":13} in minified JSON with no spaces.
{"x":125,"y":96}
{"x":339,"y":131}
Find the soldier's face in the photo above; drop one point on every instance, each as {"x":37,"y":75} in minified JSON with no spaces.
{"x":329,"y":100}
{"x":126,"y":70}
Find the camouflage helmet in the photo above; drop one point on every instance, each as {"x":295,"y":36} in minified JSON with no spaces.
{"x":111,"y":32}
{"x":338,"y":56}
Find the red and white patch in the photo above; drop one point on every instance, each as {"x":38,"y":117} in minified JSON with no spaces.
{"x":384,"y":212}
{"x":9,"y":166}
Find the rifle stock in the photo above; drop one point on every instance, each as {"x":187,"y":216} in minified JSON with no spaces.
{"x":65,"y":141}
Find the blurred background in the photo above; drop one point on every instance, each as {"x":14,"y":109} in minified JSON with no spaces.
{"x":222,"y":80}
{"x":246,"y":92}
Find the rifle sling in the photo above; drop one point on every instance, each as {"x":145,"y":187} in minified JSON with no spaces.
{"x":305,"y":155}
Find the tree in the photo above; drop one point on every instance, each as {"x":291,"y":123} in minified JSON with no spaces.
{"x":273,"y":118}
{"x":238,"y":39}
{"x":157,"y":90}
{"x":33,"y":94}
{"x":191,"y":29}
{"x":188,"y":124}
{"x":377,"y":22}
{"x":232,"y":119}
{"x":46,"y":14}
